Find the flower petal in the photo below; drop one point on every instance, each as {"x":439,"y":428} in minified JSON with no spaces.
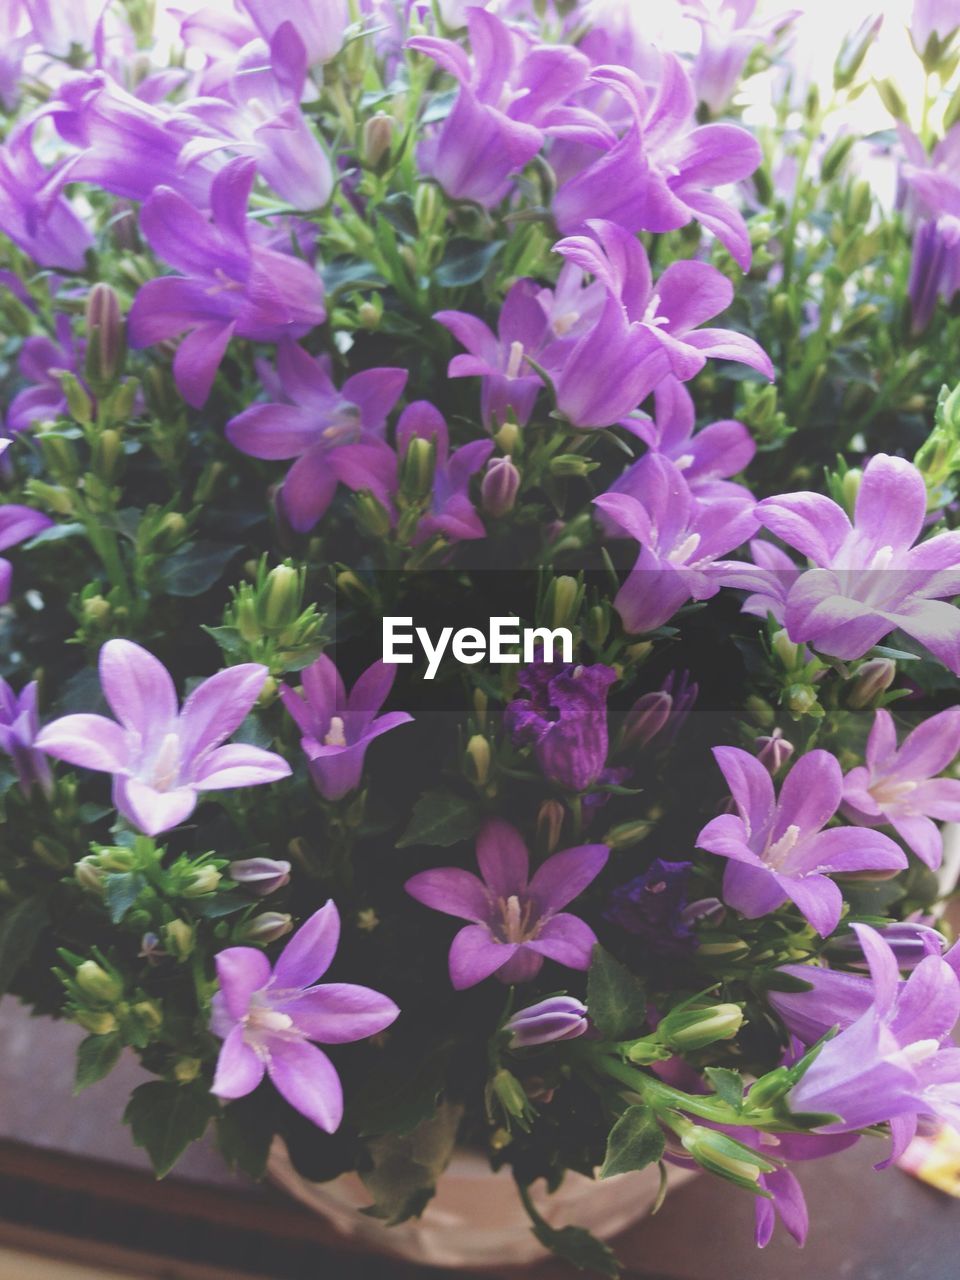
{"x":475,"y":954}
{"x":241,"y":971}
{"x":150,"y":810}
{"x":307,"y":1079}
{"x":565,"y":876}
{"x":138,"y":688}
{"x":339,"y":1012}
{"x":92,"y":742}
{"x":218,"y":707}
{"x":239,"y":1068}
{"x":502,"y":857}
{"x":566,"y":939}
{"x":239,"y":765}
{"x":453,"y":891}
{"x":309,"y":953}
{"x":818,"y":898}
{"x":891,"y":502}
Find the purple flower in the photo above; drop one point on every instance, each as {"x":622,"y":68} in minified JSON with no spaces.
{"x":509,"y":385}
{"x":161,"y":757}
{"x":510,"y":93}
{"x":515,"y":920}
{"x":778,"y":848}
{"x":337,"y":729}
{"x":659,"y":175}
{"x":261,"y":875}
{"x":661,"y":713}
{"x":729,"y":33}
{"x":267,"y":1017}
{"x":17,"y":524}
{"x":652,"y":907}
{"x":59,"y":27}
{"x":320,"y":24}
{"x":645,"y":332}
{"x":890,"y":1063}
{"x":934,"y":268}
{"x":900,"y":785}
{"x":556,"y":1018}
{"x":451,"y":515}
{"x":335,"y":435}
{"x":230,"y":285}
{"x":18,"y":732}
{"x":869,"y":576}
{"x":786,"y":1195}
{"x":564,"y":716}
{"x":680,"y":539}
{"x":910,"y":940}
{"x":41,"y":359}
{"x":33,"y":211}
{"x":707,"y":459}
{"x":14,"y":43}
{"x":939,"y":18}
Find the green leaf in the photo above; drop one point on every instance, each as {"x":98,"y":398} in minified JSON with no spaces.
{"x":615,"y":997}
{"x":579,"y":1248}
{"x":121,"y":890}
{"x":165,"y":1118}
{"x":466,"y":261}
{"x":441,"y":818}
{"x":244,"y":1134}
{"x":96,"y":1058}
{"x":195,"y":568}
{"x":727,"y":1085}
{"x":20,"y":927}
{"x":635,"y":1141}
{"x":406,"y":1167}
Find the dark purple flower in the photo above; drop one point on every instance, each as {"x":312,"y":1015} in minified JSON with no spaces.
{"x":869,"y":577}
{"x":564,"y":717}
{"x":162,"y":757}
{"x":900,"y":785}
{"x":19,"y":725}
{"x":17,"y":524}
{"x":451,"y":515}
{"x":652,"y":907}
{"x":659,"y":175}
{"x":556,"y":1018}
{"x":41,"y":359}
{"x":230,"y":286}
{"x":516,"y":920}
{"x":267,"y":1015}
{"x":337,"y":729}
{"x":681,"y":541}
{"x":934,"y":268}
{"x":336,"y":435}
{"x":778,"y":848}
{"x":33,"y":211}
{"x":646,"y":332}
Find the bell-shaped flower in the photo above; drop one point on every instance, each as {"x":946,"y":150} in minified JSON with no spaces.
{"x":869,"y":577}
{"x":17,"y":524}
{"x":894,"y":1062}
{"x":320,"y":24}
{"x":40,"y":361}
{"x":516,"y":921}
{"x":777,"y":847}
{"x":645,"y":332}
{"x":19,"y":725}
{"x":230,"y":285}
{"x":680,"y":539}
{"x":15,"y":41}
{"x":511,"y":91}
{"x":336,"y":435}
{"x":162,"y":757}
{"x":900,"y":786}
{"x":730,"y":30}
{"x":34,"y":213}
{"x":661,"y":172}
{"x":337,"y":728}
{"x":271,"y":1018}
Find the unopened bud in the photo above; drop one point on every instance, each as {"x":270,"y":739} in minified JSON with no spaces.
{"x":510,"y":1093}
{"x":646,"y":718}
{"x":571,"y":465}
{"x":265,"y":928}
{"x":370,"y":312}
{"x":773,"y":751}
{"x":107,"y":451}
{"x":89,"y":876}
{"x":872,"y":680}
{"x":723,"y":1155}
{"x":479,"y":757}
{"x":94,"y":981}
{"x":563,"y":601}
{"x":279,"y":600}
{"x":596,"y":625}
{"x":428,"y":206}
{"x":106,"y":337}
{"x":785,"y":649}
{"x":627,"y":834}
{"x":149,"y":1013}
{"x":556,"y":1018}
{"x":171,"y":531}
{"x":499,"y":487}
{"x":849,"y":488}
{"x":418,"y":468}
{"x":687,"y":1029}
{"x":186,"y":1070}
{"x":801,"y":699}
{"x":508,"y":437}
{"x":853,"y":51}
{"x":372,"y":516}
{"x":759,"y":711}
{"x":550,"y":820}
{"x":178,"y":938}
{"x":99,"y":1022}
{"x":201,"y":881}
{"x":377,"y":140}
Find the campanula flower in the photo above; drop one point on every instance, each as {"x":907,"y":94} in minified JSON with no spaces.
{"x":163,"y":757}
{"x":337,"y":728}
{"x":562,"y":712}
{"x":869,"y":577}
{"x":261,"y":875}
{"x":900,"y":786}
{"x":17,"y":524}
{"x":660,"y":713}
{"x":230,"y":285}
{"x":320,"y":24}
{"x":547,"y":1021}
{"x":14,"y":43}
{"x":778,"y":848}
{"x":19,"y":725}
{"x":730,"y":30}
{"x":652,"y":907}
{"x":681,"y":541}
{"x":271,"y":1017}
{"x":516,"y":921}
{"x":34,"y":213}
{"x":939,"y":18}
{"x":41,"y":359}
{"x":336,"y":435}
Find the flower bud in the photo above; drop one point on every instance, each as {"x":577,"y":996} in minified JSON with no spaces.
{"x":571,"y":465}
{"x":853,"y":50}
{"x":201,"y":880}
{"x":872,"y":680}
{"x":171,"y":531}
{"x":508,"y":437}
{"x":377,"y":139}
{"x":89,"y":876}
{"x":499,"y":487}
{"x":849,"y":488}
{"x":280,"y":598}
{"x":78,"y":401}
{"x":646,"y":718}
{"x":479,"y":758}
{"x":372,"y":516}
{"x":149,"y":1013}
{"x":723,"y":1155}
{"x":773,"y":751}
{"x":106,"y":337}
{"x":186,"y":1070}
{"x":759,"y":712}
{"x":178,"y":938}
{"x":265,"y":928}
{"x":564,"y":596}
{"x":510,"y":1093}
{"x":96,"y":610}
{"x":557,"y":1018}
{"x":261,"y":875}
{"x":370,"y":312}
{"x":785,"y":649}
{"x":94,"y":981}
{"x":801,"y":700}
{"x":627,"y":834}
{"x":418,"y":467}
{"x":596,"y":625}
{"x":99,"y":1022}
{"x":428,"y":206}
{"x":550,"y":820}
{"x":686,"y":1029}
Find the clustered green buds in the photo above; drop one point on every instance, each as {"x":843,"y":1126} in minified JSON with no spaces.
{"x":266,"y":621}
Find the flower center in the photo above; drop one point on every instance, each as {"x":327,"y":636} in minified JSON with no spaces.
{"x":778,"y":852}
{"x":516,"y":922}
{"x":224,"y":283}
{"x":335,"y":735}
{"x":684,"y":550}
{"x":684,"y":462}
{"x":890,"y":794}
{"x":882,"y":559}
{"x":651,"y":317}
{"x":919,"y":1051}
{"x":166,"y":764}
{"x":562,"y":324}
{"x":515,"y":360}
